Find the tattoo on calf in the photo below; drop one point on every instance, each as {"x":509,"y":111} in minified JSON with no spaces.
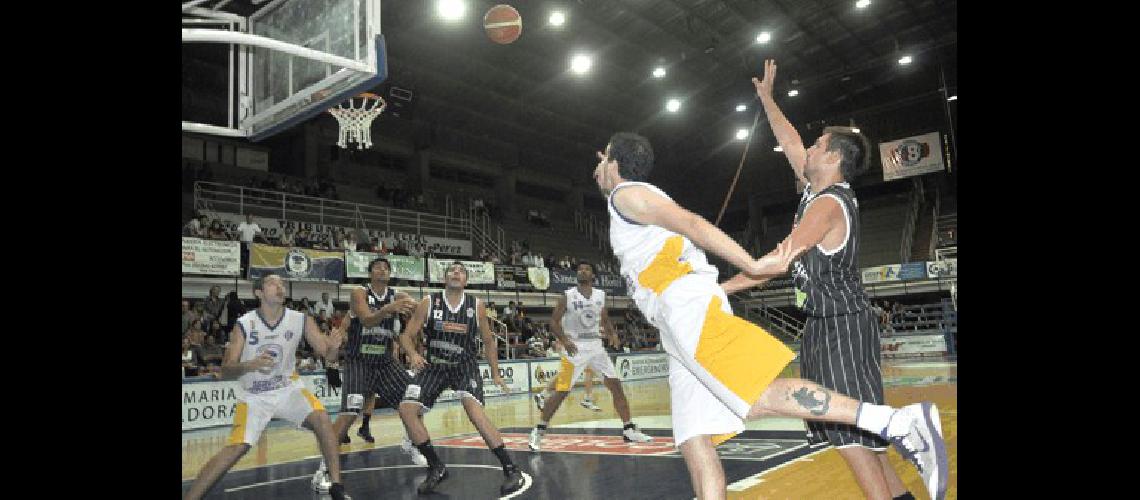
{"x":806,"y":398}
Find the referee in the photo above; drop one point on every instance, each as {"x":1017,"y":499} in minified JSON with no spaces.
{"x":449,"y":321}
{"x":841,"y":335}
{"x":370,"y":365}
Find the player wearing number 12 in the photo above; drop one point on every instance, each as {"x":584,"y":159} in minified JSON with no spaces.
{"x":449,"y":320}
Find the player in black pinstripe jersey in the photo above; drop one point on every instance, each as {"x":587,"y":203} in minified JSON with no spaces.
{"x":371,"y":365}
{"x":841,"y":349}
{"x":452,"y":352}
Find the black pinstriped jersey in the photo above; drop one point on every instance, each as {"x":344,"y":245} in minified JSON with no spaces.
{"x":452,"y":336}
{"x":373,"y":343}
{"x":830,"y":284}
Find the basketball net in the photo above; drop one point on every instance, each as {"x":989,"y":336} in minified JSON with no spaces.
{"x":356,"y":123}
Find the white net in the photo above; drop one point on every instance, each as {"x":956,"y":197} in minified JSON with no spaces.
{"x":356,"y":122}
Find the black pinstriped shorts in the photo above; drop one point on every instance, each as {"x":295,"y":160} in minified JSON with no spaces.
{"x":438,"y":375}
{"x":380,"y":375}
{"x":842,"y":353}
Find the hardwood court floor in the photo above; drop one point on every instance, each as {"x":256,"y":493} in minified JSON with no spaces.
{"x":821,"y":474}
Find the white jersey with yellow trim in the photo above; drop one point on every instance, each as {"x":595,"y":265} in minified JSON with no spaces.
{"x":279,"y":340}
{"x":652,"y":257}
{"x":582,"y":319}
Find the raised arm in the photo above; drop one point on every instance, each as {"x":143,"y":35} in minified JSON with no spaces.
{"x":647,"y":207}
{"x":325,"y":346}
{"x":785,"y":133}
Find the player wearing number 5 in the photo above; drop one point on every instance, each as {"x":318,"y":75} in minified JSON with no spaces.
{"x":449,"y":320}
{"x":261,"y":355}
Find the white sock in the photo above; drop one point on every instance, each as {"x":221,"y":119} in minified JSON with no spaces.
{"x":874,"y":418}
{"x":323,"y":466}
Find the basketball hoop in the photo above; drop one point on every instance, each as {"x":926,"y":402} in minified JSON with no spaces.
{"x":356,"y":123}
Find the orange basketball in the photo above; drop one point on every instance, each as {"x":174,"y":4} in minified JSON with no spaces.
{"x":503,"y":24}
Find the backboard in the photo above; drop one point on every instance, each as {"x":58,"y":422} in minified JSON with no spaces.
{"x":289,"y":60}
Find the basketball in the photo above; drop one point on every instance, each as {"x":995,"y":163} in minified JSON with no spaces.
{"x":503,"y":24}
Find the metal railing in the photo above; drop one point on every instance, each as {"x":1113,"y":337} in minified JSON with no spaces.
{"x":783,"y":325}
{"x":265,"y":203}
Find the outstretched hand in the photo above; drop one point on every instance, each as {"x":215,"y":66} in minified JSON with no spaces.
{"x":764,"y":87}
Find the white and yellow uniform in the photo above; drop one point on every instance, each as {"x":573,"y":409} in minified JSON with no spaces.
{"x":276,"y":391}
{"x":581,"y":323}
{"x":719,"y":364}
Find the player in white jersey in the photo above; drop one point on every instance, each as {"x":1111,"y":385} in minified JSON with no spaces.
{"x":576,"y":322}
{"x":261,"y":355}
{"x":722,"y":369}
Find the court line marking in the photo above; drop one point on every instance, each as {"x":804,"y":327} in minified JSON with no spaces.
{"x":527,"y":480}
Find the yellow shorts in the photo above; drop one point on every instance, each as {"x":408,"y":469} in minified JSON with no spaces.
{"x":719,"y":364}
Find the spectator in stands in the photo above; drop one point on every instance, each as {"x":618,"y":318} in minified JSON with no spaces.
{"x":213,"y":307}
{"x":287,"y":237}
{"x":516,"y":258}
{"x":195,"y":333}
{"x":376,"y":245}
{"x":536,"y":346}
{"x":349,"y":241}
{"x":217,"y":231}
{"x":325,"y":306}
{"x":187,"y":316}
{"x":509,"y":311}
{"x":192,"y":362}
{"x":234,"y":310}
{"x":246,"y":232}
{"x":881,"y":314}
{"x":302,"y":239}
{"x":306,"y":307}
{"x":897,"y":314}
{"x":194,"y":227}
{"x":213,"y":350}
{"x":491,"y":312}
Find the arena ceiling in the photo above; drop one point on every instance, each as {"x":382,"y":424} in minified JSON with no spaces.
{"x":525,"y":107}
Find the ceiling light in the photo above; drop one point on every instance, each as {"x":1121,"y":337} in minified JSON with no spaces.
{"x":741,"y":134}
{"x":581,"y":63}
{"x":450,"y":9}
{"x":905,"y":60}
{"x":740,"y":107}
{"x":778,"y":149}
{"x":557,"y":18}
{"x":952,"y":98}
{"x":793,"y":93}
{"x":659,"y":72}
{"x":673,"y":105}
{"x":763,"y":37}
{"x":862,"y":3}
